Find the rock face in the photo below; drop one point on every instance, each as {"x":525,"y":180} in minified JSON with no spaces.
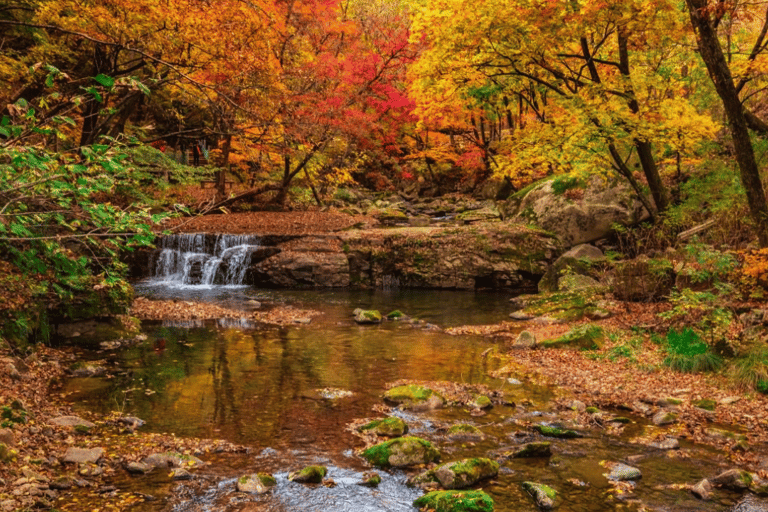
{"x":602,"y":204}
{"x":402,"y":452}
{"x":497,"y":255}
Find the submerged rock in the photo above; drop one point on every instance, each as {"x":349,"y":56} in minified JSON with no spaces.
{"x":309,"y":475}
{"x":402,"y":452}
{"x":414,"y":398}
{"x":465,"y":431}
{"x":531,"y":450}
{"x":543,"y":495}
{"x":557,"y":432}
{"x":388,"y":427}
{"x":621,"y":472}
{"x":455,"y":501}
{"x":458,"y":474}
{"x":257,"y":483}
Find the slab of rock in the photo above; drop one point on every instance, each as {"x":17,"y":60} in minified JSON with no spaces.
{"x":557,"y":432}
{"x":83,"y":455}
{"x":138,"y":468}
{"x":172,"y":460}
{"x":71,"y":421}
{"x":662,"y":418}
{"x":543,"y":495}
{"x":402,"y":452}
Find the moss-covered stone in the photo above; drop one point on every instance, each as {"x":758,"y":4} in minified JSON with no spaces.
{"x":464,"y":429}
{"x":592,"y":410}
{"x":402,"y":452}
{"x":543,"y":495}
{"x":532,"y":450}
{"x":309,"y":475}
{"x":557,"y":432}
{"x":620,"y":419}
{"x":455,"y":501}
{"x":388,"y":427}
{"x":395,"y":315}
{"x":583,"y":336}
{"x":367,"y":316}
{"x":459,"y":474}
{"x":414,"y":397}
{"x":482,"y":402}
{"x":706,"y":404}
{"x":370,"y":479}
{"x":257,"y":483}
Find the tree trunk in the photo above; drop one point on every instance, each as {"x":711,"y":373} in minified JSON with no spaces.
{"x":221,"y":176}
{"x":720,"y":73}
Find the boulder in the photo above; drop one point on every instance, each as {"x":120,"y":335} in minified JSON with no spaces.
{"x":532,"y":450}
{"x":455,"y":501}
{"x":643,"y":279}
{"x":735,"y":479}
{"x":543,"y":495}
{"x":579,"y":260}
{"x":459,"y":474}
{"x":621,"y":472}
{"x":367,"y":316}
{"x":663,"y":417}
{"x":589,"y":215}
{"x":413,"y":397}
{"x":402,"y":452}
{"x":387,"y":427}
{"x":465,"y":431}
{"x":702,"y":490}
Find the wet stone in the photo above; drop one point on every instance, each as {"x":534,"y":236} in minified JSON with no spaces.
{"x":90,"y":470}
{"x":138,"y":468}
{"x":702,"y":490}
{"x":735,"y":479}
{"x":309,"y":475}
{"x":532,"y":450}
{"x":257,"y":483}
{"x":622,"y":472}
{"x":662,"y":418}
{"x":180,"y":474}
{"x":543,"y":495}
{"x":83,"y":455}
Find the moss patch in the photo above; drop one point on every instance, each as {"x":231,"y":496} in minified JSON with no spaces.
{"x":560,"y":433}
{"x":583,"y":336}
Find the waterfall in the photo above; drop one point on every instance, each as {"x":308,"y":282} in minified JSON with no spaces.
{"x":198,"y":259}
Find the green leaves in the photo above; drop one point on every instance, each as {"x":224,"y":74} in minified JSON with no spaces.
{"x":105,"y":80}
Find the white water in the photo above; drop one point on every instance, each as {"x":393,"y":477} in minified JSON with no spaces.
{"x":199,"y":260}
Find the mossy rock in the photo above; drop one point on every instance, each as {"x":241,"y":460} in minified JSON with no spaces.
{"x":464,"y":429}
{"x":706,"y":404}
{"x":557,"y":432}
{"x":459,"y":474}
{"x":543,"y":495}
{"x":370,"y":479}
{"x":414,"y":398}
{"x":396,"y":315}
{"x":309,"y":475}
{"x":257,"y":483}
{"x":592,"y":410}
{"x":367,"y":316}
{"x":388,"y":427}
{"x":533,"y":450}
{"x":402,"y":452}
{"x":482,"y":402}
{"x":563,"y":306}
{"x":584,"y":336}
{"x":621,"y":420}
{"x":455,"y":501}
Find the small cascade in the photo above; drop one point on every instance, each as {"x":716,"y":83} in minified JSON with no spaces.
{"x":197,"y":259}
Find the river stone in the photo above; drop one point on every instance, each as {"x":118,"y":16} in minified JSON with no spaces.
{"x":172,"y":460}
{"x":180,"y":474}
{"x":455,"y":501}
{"x":138,"y":468}
{"x":702,"y":490}
{"x":481,"y":402}
{"x":465,"y":431}
{"x":370,"y":479}
{"x":520,"y":316}
{"x":662,"y":418}
{"x":71,"y":421}
{"x":622,"y":472}
{"x":530,"y":450}
{"x":367,"y":316}
{"x":557,"y":432}
{"x":388,"y":427}
{"x":735,"y":479}
{"x":414,"y":398}
{"x":525,"y":339}
{"x":309,"y":475}
{"x":543,"y":495}
{"x":669,"y":443}
{"x":460,"y":474}
{"x":257,"y":483}
{"x":83,"y":455}
{"x":402,"y":452}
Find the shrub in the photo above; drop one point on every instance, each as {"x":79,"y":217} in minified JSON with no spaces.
{"x":687,"y":353}
{"x":750,"y":371}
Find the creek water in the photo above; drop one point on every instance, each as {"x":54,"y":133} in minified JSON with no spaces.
{"x":271,"y":389}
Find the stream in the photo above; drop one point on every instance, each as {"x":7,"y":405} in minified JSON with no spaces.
{"x":268,"y":389}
